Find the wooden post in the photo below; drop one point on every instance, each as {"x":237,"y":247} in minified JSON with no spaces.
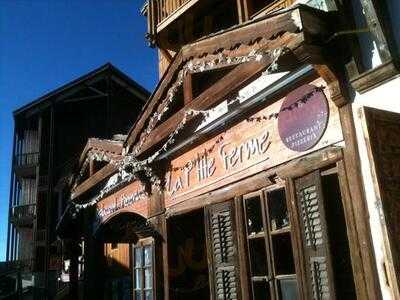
{"x":356,"y":210}
{"x":368,"y":288}
{"x":157,"y":218}
{"x":243,"y":10}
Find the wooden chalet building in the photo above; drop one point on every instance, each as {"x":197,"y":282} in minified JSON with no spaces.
{"x":259,"y":168}
{"x":49,"y":134}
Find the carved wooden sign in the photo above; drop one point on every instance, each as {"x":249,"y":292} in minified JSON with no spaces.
{"x":301,"y":124}
{"x":248,"y":147}
{"x":131,"y":198}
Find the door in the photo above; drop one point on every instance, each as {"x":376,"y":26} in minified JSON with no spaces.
{"x":382,"y":135}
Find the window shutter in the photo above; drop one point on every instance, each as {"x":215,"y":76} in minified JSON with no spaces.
{"x":314,"y":237}
{"x":223,"y":266}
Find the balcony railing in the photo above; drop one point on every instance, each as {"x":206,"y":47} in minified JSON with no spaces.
{"x":273,"y":6}
{"x":23,"y":215}
{"x":27,"y":159}
{"x":163,"y":9}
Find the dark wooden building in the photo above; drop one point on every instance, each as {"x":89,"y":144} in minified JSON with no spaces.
{"x":49,"y":134}
{"x":260,"y":167}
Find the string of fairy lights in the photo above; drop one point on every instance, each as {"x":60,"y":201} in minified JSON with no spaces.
{"x":129,"y":166}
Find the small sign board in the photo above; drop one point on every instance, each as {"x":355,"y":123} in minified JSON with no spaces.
{"x":303,"y":118}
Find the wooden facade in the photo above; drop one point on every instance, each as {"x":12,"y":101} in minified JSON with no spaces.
{"x":246,"y":177}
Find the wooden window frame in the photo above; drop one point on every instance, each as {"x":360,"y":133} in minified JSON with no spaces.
{"x":246,"y":197}
{"x":141,"y":245}
{"x":307,"y":165}
{"x":267,"y":236}
{"x":375,"y":16}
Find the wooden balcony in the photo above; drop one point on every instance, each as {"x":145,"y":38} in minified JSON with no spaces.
{"x":27,"y":159}
{"x":161,"y":13}
{"x":25,"y":164}
{"x":164,"y":12}
{"x":272,"y":7}
{"x":23,"y":215}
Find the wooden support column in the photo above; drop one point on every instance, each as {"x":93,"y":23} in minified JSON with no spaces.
{"x":367,"y":284}
{"x":157,"y":218}
{"x":94,"y":262}
{"x":355,"y":206}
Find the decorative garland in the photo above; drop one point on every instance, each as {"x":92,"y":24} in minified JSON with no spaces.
{"x":99,"y":155}
{"x":190,"y":67}
{"x":131,"y":161}
{"x":296,"y":104}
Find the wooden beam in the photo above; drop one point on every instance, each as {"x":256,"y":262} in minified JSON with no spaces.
{"x":234,"y":80}
{"x":187,"y":89}
{"x":246,"y":35}
{"x":113,"y":147}
{"x":151,"y":105}
{"x":97,"y":177}
{"x":166,"y":55}
{"x":91,"y":167}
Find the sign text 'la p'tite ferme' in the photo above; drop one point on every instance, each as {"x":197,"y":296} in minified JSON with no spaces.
{"x":256,"y":141}
{"x":229,"y":156}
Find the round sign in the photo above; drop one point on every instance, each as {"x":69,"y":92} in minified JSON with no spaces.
{"x":303,"y":118}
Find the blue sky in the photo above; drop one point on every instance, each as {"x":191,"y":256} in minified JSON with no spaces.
{"x":47,"y":43}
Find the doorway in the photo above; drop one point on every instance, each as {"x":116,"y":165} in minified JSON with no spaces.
{"x":117,"y":271}
{"x":187,"y":257}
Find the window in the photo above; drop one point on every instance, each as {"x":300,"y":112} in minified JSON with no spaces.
{"x":374,"y":60}
{"x":142,"y":254}
{"x":270,"y":252}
